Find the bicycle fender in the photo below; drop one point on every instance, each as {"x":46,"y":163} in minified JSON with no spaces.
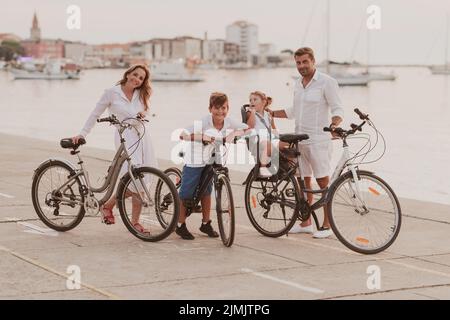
{"x":50,"y":160}
{"x":348,"y":173}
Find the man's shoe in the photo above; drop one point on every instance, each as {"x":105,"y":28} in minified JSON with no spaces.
{"x":184,"y":233}
{"x":299,"y":229}
{"x":208,"y":229}
{"x":323,"y":233}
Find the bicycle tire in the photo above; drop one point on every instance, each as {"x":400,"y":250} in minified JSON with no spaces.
{"x":226,"y":230}
{"x":288,"y":223}
{"x":121,"y":191}
{"x":171,"y":171}
{"x":334,"y":225}
{"x":35,"y":198}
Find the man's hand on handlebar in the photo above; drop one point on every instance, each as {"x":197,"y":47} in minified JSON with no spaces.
{"x":76,"y":139}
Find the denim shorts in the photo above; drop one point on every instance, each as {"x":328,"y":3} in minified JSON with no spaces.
{"x":190,"y":180}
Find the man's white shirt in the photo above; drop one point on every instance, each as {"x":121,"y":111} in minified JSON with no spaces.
{"x":312,"y":107}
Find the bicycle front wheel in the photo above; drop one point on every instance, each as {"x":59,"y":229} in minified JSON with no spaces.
{"x":225,"y":210}
{"x":139,"y":208}
{"x":364,"y":213}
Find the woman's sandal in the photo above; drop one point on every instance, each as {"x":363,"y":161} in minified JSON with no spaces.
{"x":140,"y":228}
{"x":108,"y":216}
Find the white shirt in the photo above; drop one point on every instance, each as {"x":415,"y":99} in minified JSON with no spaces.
{"x":312,"y":107}
{"x":262,"y":126}
{"x":115,"y":100}
{"x":196,"y":155}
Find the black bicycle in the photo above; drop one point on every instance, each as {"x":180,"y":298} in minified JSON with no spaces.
{"x":218,"y":174}
{"x":364,"y":212}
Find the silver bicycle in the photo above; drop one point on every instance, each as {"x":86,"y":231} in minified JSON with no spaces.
{"x":62,"y":193}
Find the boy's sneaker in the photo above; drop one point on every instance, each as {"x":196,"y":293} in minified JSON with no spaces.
{"x":184,"y":233}
{"x":208,"y":229}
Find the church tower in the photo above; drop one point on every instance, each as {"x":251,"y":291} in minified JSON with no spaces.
{"x":35,"y":31}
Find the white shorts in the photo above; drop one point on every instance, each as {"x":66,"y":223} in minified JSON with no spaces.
{"x":315,"y":159}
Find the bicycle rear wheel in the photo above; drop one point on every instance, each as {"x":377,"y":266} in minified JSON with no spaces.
{"x":272,"y":206}
{"x":368,"y":226}
{"x":138,"y":206}
{"x":163,"y":200}
{"x":57,"y":201}
{"x":225,"y":210}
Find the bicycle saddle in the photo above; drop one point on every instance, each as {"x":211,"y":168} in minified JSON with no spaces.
{"x":68,"y":144}
{"x":293,"y":138}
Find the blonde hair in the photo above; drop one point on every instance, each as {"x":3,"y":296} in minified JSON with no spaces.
{"x":145,"y":88}
{"x":264,"y":97}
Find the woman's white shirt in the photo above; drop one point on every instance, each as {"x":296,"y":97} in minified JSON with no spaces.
{"x":115,"y":100}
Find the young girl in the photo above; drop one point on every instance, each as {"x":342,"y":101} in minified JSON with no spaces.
{"x":260,"y":120}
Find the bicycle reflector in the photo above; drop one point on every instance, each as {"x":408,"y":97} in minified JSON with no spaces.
{"x":375,"y":192}
{"x":362,"y":240}
{"x":254,"y":201}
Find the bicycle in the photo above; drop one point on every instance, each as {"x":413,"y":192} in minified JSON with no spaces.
{"x":218,"y":174}
{"x":62,"y":193}
{"x":364,"y":212}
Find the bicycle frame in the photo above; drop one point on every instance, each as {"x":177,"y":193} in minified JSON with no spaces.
{"x":111,"y":178}
{"x":210,"y":173}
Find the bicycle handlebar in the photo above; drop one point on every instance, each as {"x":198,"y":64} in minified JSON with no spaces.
{"x":113,"y":119}
{"x":361,"y":115}
{"x":354,"y":127}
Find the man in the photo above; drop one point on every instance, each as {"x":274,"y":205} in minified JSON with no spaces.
{"x":315,"y":97}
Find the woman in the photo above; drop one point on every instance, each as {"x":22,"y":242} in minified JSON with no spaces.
{"x":129,"y":98}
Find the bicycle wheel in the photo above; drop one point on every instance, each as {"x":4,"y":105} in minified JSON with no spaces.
{"x":137,"y":204}
{"x":272,"y":207}
{"x":225,"y":210}
{"x":57,"y":199}
{"x":368,"y":223}
{"x":164,"y":200}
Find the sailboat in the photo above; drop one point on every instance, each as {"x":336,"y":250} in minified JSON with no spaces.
{"x":443,"y":69}
{"x":342,"y":76}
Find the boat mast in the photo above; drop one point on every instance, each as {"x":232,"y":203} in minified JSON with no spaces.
{"x":328,"y":32}
{"x":446,"y":45}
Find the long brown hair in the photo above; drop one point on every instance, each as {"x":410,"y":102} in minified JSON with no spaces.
{"x":145,"y":88}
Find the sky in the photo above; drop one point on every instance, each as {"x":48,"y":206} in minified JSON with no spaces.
{"x":412,"y":31}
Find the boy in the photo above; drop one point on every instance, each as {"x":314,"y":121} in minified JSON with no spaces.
{"x":215,"y":125}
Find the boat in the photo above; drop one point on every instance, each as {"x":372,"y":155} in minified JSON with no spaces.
{"x":340,"y":72}
{"x":51,"y":70}
{"x":172,"y":72}
{"x":440,"y":70}
{"x":445,"y":68}
{"x":207,"y":66}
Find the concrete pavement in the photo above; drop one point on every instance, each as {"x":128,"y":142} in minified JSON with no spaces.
{"x":35,"y":263}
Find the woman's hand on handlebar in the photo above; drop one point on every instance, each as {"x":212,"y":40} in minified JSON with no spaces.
{"x":141,"y":115}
